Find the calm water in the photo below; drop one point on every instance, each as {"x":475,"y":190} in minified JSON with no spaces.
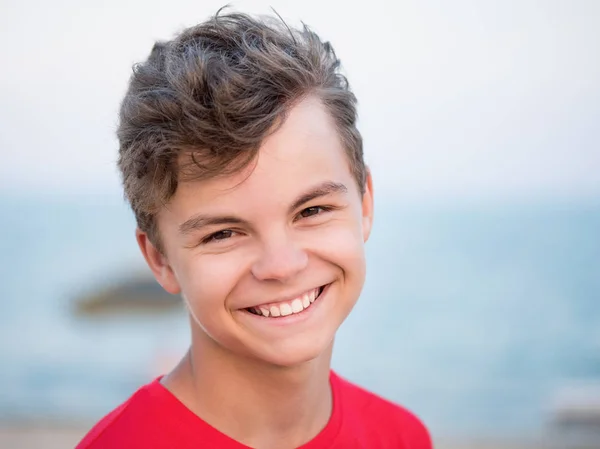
{"x":471,"y":316}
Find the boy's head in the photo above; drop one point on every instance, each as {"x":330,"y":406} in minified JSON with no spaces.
{"x":242,"y":162}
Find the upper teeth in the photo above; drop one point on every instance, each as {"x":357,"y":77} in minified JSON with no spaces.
{"x":285,"y":308}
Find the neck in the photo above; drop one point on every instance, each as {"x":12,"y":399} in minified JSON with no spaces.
{"x":255,"y":403}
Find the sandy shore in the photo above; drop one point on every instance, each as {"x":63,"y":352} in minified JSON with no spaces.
{"x":46,"y":437}
{"x":64,"y":437}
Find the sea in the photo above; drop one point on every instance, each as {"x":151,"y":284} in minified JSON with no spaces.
{"x":475,"y":316}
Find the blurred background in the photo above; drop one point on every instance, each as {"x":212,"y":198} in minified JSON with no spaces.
{"x":481,"y":122}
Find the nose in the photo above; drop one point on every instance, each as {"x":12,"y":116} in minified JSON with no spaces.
{"x":280,"y":260}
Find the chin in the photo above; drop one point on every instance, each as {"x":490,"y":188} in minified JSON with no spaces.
{"x":293,"y":354}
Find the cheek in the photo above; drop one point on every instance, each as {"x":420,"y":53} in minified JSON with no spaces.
{"x":341,"y":243}
{"x":208,"y":280}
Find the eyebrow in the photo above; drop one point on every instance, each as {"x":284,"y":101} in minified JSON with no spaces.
{"x":200,"y":221}
{"x":324,"y":189}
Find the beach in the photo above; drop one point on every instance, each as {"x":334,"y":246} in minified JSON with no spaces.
{"x":471,"y":318}
{"x":61,"y":437}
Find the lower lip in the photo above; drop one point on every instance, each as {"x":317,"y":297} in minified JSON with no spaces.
{"x":294,"y":317}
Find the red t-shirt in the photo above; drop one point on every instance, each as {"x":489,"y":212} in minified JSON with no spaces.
{"x":154,"y":419}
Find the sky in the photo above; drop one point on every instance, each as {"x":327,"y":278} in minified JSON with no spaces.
{"x":462,"y":99}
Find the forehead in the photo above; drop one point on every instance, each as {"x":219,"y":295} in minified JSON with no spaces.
{"x":304,"y":151}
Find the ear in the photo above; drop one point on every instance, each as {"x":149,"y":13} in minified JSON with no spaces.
{"x":158,"y":263}
{"x":367,"y":206}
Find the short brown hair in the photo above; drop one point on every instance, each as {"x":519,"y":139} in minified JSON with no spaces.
{"x":210,"y":97}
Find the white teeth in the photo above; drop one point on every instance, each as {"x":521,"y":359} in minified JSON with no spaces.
{"x":297,"y":306}
{"x":285,"y":309}
{"x":306,"y":300}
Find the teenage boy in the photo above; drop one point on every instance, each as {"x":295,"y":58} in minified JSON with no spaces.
{"x":242,"y":162}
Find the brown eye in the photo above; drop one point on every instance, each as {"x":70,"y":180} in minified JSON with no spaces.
{"x":220,"y":235}
{"x":310,"y":211}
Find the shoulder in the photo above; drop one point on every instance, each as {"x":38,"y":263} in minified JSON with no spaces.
{"x":365,"y":408}
{"x":129,"y":425}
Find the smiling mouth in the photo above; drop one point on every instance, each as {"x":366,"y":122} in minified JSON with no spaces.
{"x":287,"y":308}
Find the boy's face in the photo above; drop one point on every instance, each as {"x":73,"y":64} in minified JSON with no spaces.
{"x":288,"y":228}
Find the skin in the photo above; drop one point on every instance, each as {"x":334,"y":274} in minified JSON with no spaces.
{"x":266,"y":385}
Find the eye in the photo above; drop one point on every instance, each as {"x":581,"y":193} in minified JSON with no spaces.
{"x":310,"y":211}
{"x":219,"y":235}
